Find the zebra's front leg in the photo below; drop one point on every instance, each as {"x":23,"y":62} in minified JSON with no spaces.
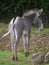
{"x":26,"y":44}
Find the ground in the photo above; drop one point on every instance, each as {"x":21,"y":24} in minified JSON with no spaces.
{"x":39,"y":42}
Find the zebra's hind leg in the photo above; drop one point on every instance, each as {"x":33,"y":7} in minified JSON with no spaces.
{"x":26,"y":44}
{"x":12,"y":44}
{"x":17,"y":36}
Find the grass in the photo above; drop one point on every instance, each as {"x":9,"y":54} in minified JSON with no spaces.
{"x":5,"y":59}
{"x":36,"y":31}
{"x":5,"y":56}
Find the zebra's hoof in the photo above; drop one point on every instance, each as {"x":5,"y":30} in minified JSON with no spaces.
{"x":13,"y":58}
{"x":17,"y":58}
{"x":27,"y":54}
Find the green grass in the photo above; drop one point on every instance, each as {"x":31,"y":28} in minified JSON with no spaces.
{"x":3,"y":28}
{"x":5,"y":59}
{"x":36,"y":31}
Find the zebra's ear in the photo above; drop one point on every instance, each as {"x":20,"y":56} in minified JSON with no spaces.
{"x":41,"y":10}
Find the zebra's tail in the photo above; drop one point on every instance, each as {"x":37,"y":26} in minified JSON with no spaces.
{"x":11,"y":23}
{"x":11,"y":26}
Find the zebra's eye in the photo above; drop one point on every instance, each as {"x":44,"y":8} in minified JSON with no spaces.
{"x":39,"y":16}
{"x":39,"y":12}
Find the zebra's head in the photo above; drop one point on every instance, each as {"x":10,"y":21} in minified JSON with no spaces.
{"x":38,"y":20}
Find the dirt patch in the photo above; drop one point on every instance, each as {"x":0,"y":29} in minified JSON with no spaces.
{"x":38,"y":42}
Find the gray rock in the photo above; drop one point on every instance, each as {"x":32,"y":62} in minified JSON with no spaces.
{"x":38,"y":58}
{"x":46,"y":57}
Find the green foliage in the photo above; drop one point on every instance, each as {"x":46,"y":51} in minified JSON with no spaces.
{"x":8,"y":7}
